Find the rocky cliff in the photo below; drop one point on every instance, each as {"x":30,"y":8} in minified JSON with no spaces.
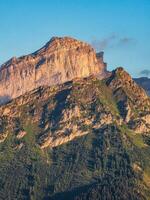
{"x":60,"y":60}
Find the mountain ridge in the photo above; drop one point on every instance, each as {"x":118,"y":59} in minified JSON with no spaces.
{"x":119,"y":84}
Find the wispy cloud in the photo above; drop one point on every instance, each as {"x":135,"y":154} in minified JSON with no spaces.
{"x":126,"y":41}
{"x":104,"y":43}
{"x":145,"y":72}
{"x":112,"y":41}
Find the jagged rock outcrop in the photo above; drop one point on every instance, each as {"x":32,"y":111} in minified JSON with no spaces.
{"x":70,"y":110}
{"x":132,"y":100}
{"x":139,"y":126}
{"x":59,"y":61}
{"x":21,"y":134}
{"x":121,"y":79}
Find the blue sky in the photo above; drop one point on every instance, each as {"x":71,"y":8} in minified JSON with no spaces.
{"x":119,"y":27}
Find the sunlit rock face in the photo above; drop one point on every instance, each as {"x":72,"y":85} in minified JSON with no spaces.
{"x":59,"y":61}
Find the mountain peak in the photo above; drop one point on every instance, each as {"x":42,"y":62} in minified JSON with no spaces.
{"x":121,"y":78}
{"x":67,"y":43}
{"x":62,"y":59}
{"x":65,"y":40}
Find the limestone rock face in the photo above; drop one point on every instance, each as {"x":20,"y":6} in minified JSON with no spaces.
{"x":60,"y":60}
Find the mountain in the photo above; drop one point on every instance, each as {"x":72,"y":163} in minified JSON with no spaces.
{"x":144,"y":82}
{"x":87,"y":138}
{"x":60,"y":60}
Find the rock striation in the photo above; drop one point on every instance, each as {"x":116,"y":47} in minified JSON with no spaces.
{"x":59,"y":61}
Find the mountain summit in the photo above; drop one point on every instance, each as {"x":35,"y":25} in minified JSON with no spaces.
{"x":59,"y":61}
